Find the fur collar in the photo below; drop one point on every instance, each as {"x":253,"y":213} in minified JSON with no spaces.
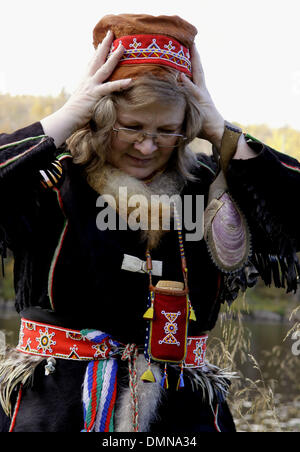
{"x":110,"y":179}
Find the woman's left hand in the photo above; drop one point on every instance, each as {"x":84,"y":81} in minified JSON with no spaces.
{"x":212,"y":127}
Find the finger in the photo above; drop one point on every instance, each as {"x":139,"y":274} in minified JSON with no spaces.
{"x":101,"y":53}
{"x":200,"y":92}
{"x":116,"y":85}
{"x":107,"y":69}
{"x":198,"y":72}
{"x":188,"y":82}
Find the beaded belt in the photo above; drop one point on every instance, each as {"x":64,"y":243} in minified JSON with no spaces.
{"x":100,"y":381}
{"x":48,"y":340}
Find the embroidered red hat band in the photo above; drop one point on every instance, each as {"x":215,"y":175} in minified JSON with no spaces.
{"x":154,"y":49}
{"x":153,"y":44}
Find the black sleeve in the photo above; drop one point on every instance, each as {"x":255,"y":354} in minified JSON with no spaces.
{"x":266,"y":189}
{"x":22,"y":154}
{"x":26,"y":150}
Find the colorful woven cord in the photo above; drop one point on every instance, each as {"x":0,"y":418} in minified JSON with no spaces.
{"x":99,"y":396}
{"x":99,"y":390}
{"x":100,"y":386}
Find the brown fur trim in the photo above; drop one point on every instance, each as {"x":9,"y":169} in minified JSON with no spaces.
{"x":15,"y":368}
{"x":170,"y":183}
{"x":149,"y":398}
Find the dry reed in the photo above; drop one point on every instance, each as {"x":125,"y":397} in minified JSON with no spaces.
{"x":256,"y":403}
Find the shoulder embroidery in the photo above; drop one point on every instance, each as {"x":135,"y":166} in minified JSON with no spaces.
{"x":295,"y":168}
{"x":63,"y":156}
{"x":16,"y":143}
{"x":291,"y":167}
{"x":51,"y":176}
{"x":25,"y":140}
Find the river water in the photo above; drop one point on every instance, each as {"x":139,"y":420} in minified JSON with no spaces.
{"x":279,"y":369}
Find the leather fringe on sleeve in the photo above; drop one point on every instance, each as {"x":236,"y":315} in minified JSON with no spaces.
{"x":266,"y":189}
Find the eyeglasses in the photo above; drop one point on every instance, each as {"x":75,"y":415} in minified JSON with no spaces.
{"x":167,"y":140}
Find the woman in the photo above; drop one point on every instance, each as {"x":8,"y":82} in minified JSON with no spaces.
{"x":82,"y":289}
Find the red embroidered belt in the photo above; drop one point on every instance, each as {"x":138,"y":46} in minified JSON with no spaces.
{"x":48,"y":340}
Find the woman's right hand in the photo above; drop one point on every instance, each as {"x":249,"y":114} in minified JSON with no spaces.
{"x":79,"y":108}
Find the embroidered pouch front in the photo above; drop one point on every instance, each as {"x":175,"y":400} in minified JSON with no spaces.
{"x":167,"y":340}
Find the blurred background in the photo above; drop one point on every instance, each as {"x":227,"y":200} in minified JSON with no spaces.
{"x":250,"y":54}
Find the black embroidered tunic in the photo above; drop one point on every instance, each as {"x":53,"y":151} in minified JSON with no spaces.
{"x":68,"y":272}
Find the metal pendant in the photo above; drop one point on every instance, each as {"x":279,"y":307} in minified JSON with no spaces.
{"x":50,"y":366}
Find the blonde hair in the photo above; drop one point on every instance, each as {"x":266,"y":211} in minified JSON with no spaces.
{"x":89,"y":145}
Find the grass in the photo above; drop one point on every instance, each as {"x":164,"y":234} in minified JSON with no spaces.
{"x":265,"y":299}
{"x":256,"y":403}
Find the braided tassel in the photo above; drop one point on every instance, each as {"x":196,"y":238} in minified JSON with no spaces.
{"x":149,"y":314}
{"x":91,"y":394}
{"x":192,"y":312}
{"x":192,"y":315}
{"x":99,"y":396}
{"x":99,"y":388}
{"x":105,"y":413}
{"x":180,"y":383}
{"x":164,"y":382}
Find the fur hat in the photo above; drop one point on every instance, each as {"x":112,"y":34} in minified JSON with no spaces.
{"x":152,"y":43}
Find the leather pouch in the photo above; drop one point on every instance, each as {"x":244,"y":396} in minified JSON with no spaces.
{"x":168,"y":328}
